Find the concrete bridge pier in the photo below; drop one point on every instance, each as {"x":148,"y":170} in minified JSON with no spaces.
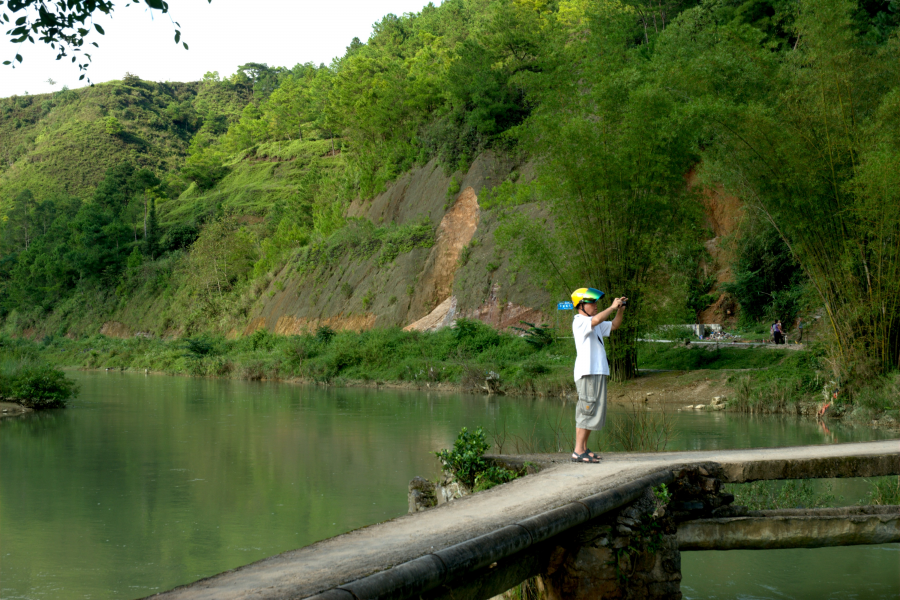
{"x":634,"y":551}
{"x":598,"y":570}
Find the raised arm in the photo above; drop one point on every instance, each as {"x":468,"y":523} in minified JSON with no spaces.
{"x":616,"y":306}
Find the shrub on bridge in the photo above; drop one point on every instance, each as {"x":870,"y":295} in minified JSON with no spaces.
{"x":466,"y":462}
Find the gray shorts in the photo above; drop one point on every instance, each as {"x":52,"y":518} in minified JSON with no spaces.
{"x":590,"y":412}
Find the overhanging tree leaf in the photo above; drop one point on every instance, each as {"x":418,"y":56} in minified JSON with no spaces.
{"x":65,"y":24}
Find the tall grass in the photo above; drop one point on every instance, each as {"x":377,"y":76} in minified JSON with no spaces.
{"x":772,"y":495}
{"x":885,"y":491}
{"x":640,"y":430}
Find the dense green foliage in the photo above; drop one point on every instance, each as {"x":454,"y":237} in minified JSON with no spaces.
{"x":29,"y":380}
{"x":809,"y":138}
{"x":64,"y":142}
{"x":793,"y":110}
{"x":466,"y":462}
{"x":885,"y":491}
{"x":677,"y":357}
{"x":462,"y":356}
{"x":181,"y":202}
{"x":768,"y":283}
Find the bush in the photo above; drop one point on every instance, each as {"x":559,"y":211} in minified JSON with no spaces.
{"x":474,"y":336}
{"x":467,"y":464}
{"x":535,"y":368}
{"x":538,"y":337}
{"x":768,"y":282}
{"x":260,"y":339}
{"x":324,"y":334}
{"x":37,"y":385}
{"x":198,"y":346}
{"x":179,"y":236}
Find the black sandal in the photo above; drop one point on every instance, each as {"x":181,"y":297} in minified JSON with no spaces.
{"x":584,"y":458}
{"x":592,"y":454}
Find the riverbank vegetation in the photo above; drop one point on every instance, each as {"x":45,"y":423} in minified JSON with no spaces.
{"x":27,"y":379}
{"x":464,"y":355}
{"x":175,"y":207}
{"x":470,"y":357}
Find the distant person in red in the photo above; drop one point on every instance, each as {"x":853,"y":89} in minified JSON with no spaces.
{"x":777,"y":333}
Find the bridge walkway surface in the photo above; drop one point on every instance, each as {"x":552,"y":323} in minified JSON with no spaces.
{"x":407,"y":556}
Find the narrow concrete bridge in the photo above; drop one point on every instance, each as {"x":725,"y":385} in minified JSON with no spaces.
{"x":484,"y":544}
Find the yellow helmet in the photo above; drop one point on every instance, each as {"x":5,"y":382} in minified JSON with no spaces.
{"x":586,"y":296}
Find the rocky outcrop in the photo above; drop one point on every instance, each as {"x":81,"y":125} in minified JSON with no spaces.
{"x":13,"y":409}
{"x":444,"y":315}
{"x":454,"y":232}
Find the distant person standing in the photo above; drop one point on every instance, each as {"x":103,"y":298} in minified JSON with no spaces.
{"x":799,"y":330}
{"x":777,"y":333}
{"x":589,"y":327}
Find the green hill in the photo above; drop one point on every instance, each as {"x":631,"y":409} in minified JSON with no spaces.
{"x":65,"y":142}
{"x":492,"y":153}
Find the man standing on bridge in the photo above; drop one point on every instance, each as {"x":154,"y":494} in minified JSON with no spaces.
{"x":591,"y":366}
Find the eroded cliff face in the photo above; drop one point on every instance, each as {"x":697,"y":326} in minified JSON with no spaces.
{"x":419,"y":289}
{"x":723,"y":214}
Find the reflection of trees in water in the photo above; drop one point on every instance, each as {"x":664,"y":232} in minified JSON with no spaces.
{"x":34,"y":423}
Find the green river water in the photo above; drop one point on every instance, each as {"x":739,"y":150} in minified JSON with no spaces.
{"x":149,"y":482}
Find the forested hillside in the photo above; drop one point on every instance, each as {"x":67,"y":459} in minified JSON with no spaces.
{"x":184,"y":208}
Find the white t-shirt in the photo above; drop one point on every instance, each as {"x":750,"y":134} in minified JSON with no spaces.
{"x":591,"y":359}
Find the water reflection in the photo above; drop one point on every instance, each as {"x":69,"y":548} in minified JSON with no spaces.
{"x":151,"y":482}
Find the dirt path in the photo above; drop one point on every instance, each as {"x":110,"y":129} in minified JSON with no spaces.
{"x":672,"y":388}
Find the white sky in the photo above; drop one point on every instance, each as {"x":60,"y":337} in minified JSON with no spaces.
{"x":221,"y":35}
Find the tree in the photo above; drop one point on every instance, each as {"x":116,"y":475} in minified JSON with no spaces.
{"x":224,"y":253}
{"x":262,"y":77}
{"x":612,"y":148}
{"x":17,"y":229}
{"x":151,"y":225}
{"x":121,"y":184}
{"x":112,"y":126}
{"x":289,"y":107}
{"x":64,"y":25}
{"x":809,"y":139}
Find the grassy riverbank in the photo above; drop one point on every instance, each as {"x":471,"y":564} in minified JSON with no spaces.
{"x":464,"y":358}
